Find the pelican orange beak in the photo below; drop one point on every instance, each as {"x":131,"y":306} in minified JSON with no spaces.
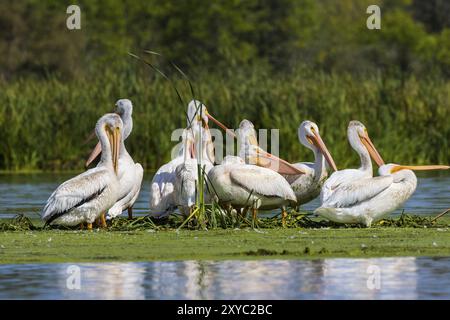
{"x":317,"y":141}
{"x":94,"y":154}
{"x":371,"y":148}
{"x":267,"y":160}
{"x":114,"y":136}
{"x":218,"y":123}
{"x":276,"y":164}
{"x":397,"y":168}
{"x":90,"y":137}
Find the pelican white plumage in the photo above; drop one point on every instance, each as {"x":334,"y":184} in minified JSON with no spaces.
{"x":368,"y":200}
{"x":163,"y":184}
{"x":354,"y":196}
{"x":130,"y":173}
{"x":89,"y":195}
{"x":242,"y":185}
{"x":186,"y":175}
{"x":307,"y":186}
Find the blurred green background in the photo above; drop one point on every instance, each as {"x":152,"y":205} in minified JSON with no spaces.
{"x":274,"y":62}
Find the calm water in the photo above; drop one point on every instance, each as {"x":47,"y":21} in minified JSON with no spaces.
{"x":399,"y":278}
{"x":28,"y":193}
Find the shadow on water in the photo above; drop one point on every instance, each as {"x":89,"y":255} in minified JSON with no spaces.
{"x":378,"y":278}
{"x":27,"y":194}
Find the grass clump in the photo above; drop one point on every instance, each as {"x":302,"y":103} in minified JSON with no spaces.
{"x":18,"y":223}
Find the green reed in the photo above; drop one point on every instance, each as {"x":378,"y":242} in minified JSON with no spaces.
{"x":44,"y":124}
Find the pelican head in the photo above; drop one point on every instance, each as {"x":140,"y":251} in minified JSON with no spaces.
{"x":253,"y":154}
{"x":392,"y":168}
{"x":309,"y":136}
{"x":197,"y":112}
{"x":360,"y":141}
{"x":109,"y":131}
{"x":247,"y":135}
{"x":194,"y":114}
{"x":124,"y":108}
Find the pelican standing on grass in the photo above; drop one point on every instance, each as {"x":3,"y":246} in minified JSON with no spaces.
{"x":244,"y":186}
{"x":307,"y":186}
{"x":254,"y":182}
{"x":355,"y":196}
{"x":130,"y":173}
{"x":162,"y":198}
{"x":89,"y":195}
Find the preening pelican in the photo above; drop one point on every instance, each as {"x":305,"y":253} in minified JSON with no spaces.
{"x":251,"y":153}
{"x":89,"y":195}
{"x":130,"y":173}
{"x":162,"y":188}
{"x":186,"y":175}
{"x":368,"y":200}
{"x":307,"y":186}
{"x":244,"y":185}
{"x":254,"y":172}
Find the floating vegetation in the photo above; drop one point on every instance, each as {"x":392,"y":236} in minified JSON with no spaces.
{"x":218,"y":218}
{"x":412,"y":221}
{"x":18,"y":223}
{"x":266,"y":252}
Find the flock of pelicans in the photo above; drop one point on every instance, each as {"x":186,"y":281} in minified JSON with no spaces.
{"x":255,"y":179}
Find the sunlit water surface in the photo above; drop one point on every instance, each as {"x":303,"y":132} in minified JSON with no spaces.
{"x":380,"y":278}
{"x":400,"y":278}
{"x":27,"y":194}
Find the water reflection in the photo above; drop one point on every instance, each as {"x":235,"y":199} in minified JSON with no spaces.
{"x":401,"y":278}
{"x":28,"y":193}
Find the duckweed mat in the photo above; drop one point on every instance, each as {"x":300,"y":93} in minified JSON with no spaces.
{"x":147,"y":239}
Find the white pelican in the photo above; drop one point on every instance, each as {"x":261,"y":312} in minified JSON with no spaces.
{"x":162,"y":188}
{"x":360,"y":141}
{"x":368,"y":200}
{"x":307,"y":186}
{"x":130,"y":173}
{"x":354,"y":196}
{"x":186,"y":175}
{"x":89,"y":195}
{"x":244,"y":185}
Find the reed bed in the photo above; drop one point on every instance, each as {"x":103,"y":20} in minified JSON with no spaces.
{"x":44,"y":123}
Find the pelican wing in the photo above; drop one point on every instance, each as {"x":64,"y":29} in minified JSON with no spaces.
{"x":347,"y":194}
{"x":75,"y":192}
{"x":340,"y":178}
{"x":262,"y":181}
{"x":162,"y":186}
